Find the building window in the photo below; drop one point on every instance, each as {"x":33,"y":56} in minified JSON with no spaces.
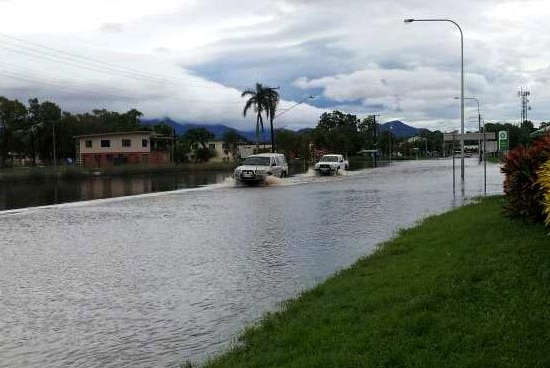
{"x":144,"y":142}
{"x":212,"y":146}
{"x":88,"y":143}
{"x":105,"y":143}
{"x":126,"y":143}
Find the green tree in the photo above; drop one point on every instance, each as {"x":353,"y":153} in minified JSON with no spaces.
{"x":12,"y":118}
{"x":231,"y":141}
{"x":517,"y":135}
{"x":262,"y":100}
{"x":48,"y":115}
{"x":273,"y":102}
{"x":338,"y":133}
{"x":196,"y":137}
{"x":287,"y":142}
{"x":366,"y":130}
{"x":182,"y":150}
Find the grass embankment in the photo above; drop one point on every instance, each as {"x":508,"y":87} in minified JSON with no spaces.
{"x":469,"y":288}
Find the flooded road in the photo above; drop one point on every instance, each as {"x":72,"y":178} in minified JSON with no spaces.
{"x":42,"y":192}
{"x":156,"y":279}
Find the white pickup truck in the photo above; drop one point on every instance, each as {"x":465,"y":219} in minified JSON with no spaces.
{"x":331,"y":164}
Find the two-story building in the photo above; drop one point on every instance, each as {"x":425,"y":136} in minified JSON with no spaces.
{"x":108,"y":149}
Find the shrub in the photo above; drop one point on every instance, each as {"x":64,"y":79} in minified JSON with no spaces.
{"x":524,"y":194}
{"x":544,"y":182}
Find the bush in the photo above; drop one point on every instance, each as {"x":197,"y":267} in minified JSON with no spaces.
{"x":523,"y":192}
{"x":544,"y":182}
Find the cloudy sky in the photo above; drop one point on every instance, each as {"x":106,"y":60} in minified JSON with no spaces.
{"x":190,"y":59}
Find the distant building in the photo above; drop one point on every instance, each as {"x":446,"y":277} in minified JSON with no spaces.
{"x":109,"y":149}
{"x":220,"y":149}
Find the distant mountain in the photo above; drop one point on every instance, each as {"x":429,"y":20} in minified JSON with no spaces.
{"x":217,"y":129}
{"x":399,"y":129}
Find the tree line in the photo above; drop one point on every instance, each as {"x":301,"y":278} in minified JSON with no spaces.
{"x":29,"y":129}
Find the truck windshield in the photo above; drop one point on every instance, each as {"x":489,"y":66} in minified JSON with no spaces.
{"x":329,"y":159}
{"x":255,"y":160}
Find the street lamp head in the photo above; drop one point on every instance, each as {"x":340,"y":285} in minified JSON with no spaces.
{"x":456,"y":98}
{"x":408,"y":20}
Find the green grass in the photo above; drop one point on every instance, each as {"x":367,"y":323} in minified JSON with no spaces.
{"x":469,"y":288}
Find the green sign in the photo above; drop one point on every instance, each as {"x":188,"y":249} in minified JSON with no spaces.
{"x":503,"y":140}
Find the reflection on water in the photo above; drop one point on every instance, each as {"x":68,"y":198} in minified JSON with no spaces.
{"x":45,"y":192}
{"x":153,"y":280}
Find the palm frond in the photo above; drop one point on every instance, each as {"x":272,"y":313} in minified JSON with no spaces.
{"x":248,"y":105}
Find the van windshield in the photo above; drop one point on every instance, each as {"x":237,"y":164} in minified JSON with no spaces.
{"x":255,"y":160}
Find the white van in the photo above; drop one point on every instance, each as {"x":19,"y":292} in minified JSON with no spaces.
{"x":256,"y":168}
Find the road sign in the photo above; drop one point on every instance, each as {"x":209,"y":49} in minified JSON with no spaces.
{"x":503,"y":140}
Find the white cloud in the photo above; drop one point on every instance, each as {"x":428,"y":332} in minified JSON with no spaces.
{"x":359,"y":57}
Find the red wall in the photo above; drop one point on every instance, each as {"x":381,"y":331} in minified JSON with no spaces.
{"x":112,"y":159}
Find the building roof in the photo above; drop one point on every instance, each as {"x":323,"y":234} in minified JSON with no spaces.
{"x":151,"y":133}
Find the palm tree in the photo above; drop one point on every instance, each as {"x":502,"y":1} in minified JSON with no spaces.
{"x":273,"y":98}
{"x":263,"y":100}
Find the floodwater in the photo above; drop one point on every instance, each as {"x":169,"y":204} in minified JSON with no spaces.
{"x":50,"y":191}
{"x":155,"y":279}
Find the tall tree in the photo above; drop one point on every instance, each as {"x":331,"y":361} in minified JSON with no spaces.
{"x":338,"y":133}
{"x":49,"y":115}
{"x":196,"y":136}
{"x":262,"y":100}
{"x":231,"y":141}
{"x":273,"y":102}
{"x":12,"y":116}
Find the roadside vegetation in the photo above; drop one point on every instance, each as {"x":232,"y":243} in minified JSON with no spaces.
{"x":526,"y":182}
{"x":469,"y":288}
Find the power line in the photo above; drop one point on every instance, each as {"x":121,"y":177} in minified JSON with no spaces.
{"x":71,"y":84}
{"x":61,"y":56}
{"x":42,"y":52}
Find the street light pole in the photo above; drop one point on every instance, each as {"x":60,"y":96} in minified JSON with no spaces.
{"x":410,"y":20}
{"x":284,"y":112}
{"x":478,"y":123}
{"x":293,"y":106}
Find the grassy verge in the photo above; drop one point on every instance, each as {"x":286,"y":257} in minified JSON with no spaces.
{"x":469,"y":288}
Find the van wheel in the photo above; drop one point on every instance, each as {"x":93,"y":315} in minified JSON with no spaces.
{"x":283,"y":174}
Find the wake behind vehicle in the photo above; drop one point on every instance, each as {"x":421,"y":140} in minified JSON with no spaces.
{"x":331,"y":164}
{"x":256,"y":168}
